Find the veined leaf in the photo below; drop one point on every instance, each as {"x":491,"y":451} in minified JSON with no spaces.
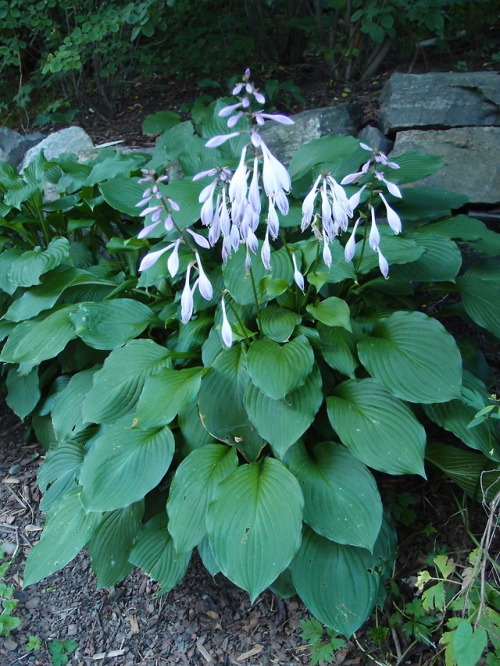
{"x":123,"y":194}
{"x":67,"y":419}
{"x":154,"y":552}
{"x":110,"y":324}
{"x":341,"y":498}
{"x":254,"y":524}
{"x":440,"y":261}
{"x":123,"y":465}
{"x":282,"y":422}
{"x":165,"y":394}
{"x":68,"y":529}
{"x":332,"y":311}
{"x":26,"y":270}
{"x":40,"y":339}
{"x":338,"y":347}
{"x":339,"y":584}
{"x":226,"y":419}
{"x":118,"y":385}
{"x":480,"y":290}
{"x":110,"y":545}
{"x":277,"y":370}
{"x":377,"y":428}
{"x":192,"y":489}
{"x":413,"y":357}
{"x":278,"y":323}
{"x":328,"y":149}
{"x":23,"y":391}
{"x":59,"y":472}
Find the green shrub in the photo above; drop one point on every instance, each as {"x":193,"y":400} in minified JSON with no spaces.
{"x":236,"y":406}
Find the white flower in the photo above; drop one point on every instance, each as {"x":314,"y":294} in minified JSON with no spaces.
{"x":393,"y":218}
{"x":226,"y":330}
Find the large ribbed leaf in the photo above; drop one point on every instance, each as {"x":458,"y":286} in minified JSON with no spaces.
{"x":239,"y":281}
{"x":110,"y":324}
{"x":480,"y":290}
{"x":67,"y":419}
{"x":59,"y":472}
{"x":339,"y":584}
{"x":123,"y":465}
{"x":440,"y":261}
{"x":478,"y":476}
{"x":413,"y":357}
{"x":378,"y":429}
{"x":165,"y":394}
{"x":68,"y":529}
{"x":282,"y":422}
{"x":341,"y":499}
{"x":332,"y":311}
{"x":40,"y":339}
{"x":338,"y":348}
{"x":123,"y":194}
{"x":154,"y":552}
{"x":277,"y":370}
{"x":466,"y":228}
{"x":118,"y":385}
{"x":111,"y":543}
{"x":220,"y":403}
{"x":456,"y":415}
{"x":327,"y":149}
{"x":26,"y":270}
{"x":254,"y":524}
{"x":192,"y":489}
{"x":278,"y":323}
{"x":23,"y":391}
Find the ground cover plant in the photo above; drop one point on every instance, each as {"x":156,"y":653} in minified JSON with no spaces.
{"x":226,"y":375}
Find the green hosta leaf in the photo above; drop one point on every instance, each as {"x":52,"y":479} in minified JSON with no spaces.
{"x":40,"y":339}
{"x":238,"y":281}
{"x":67,"y":419}
{"x":396,"y":249}
{"x":278,"y":323}
{"x":207,"y":557}
{"x":159,"y":122}
{"x":165,"y":394}
{"x":341,"y":499}
{"x":414,"y":166}
{"x":154,"y":552}
{"x":115,"y":164}
{"x":378,"y":429}
{"x":328,"y":149}
{"x":338,"y":583}
{"x":123,"y":194}
{"x":23,"y":392}
{"x":421,"y":204}
{"x":338,"y":271}
{"x":456,"y":415}
{"x":110,"y":324}
{"x":282,"y":422}
{"x":110,"y":545}
{"x":68,"y":529}
{"x":332,"y":311}
{"x":254,"y":524}
{"x":26,"y":270}
{"x":414,"y":357}
{"x":194,"y":434}
{"x":123,"y":465}
{"x":226,"y":419}
{"x":338,"y":347}
{"x":470,"y":230}
{"x":478,"y":476}
{"x":277,"y":370}
{"x":118,"y":385}
{"x":480,"y":290}
{"x":7,"y":258}
{"x":185,"y":193}
{"x":59,"y":472}
{"x":192,"y":489}
{"x":440,"y":261}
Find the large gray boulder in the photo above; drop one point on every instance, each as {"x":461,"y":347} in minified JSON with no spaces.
{"x":471,"y":154}
{"x":13,"y":145}
{"x":69,"y":140}
{"x":284,"y":140}
{"x":440,"y":100}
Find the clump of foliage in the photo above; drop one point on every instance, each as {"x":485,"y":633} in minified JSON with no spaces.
{"x":237,"y":406}
{"x":8,"y":603}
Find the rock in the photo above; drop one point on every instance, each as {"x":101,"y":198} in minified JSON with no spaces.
{"x":440,"y":100}
{"x":472,"y":162}
{"x":375,"y":139}
{"x":69,"y":140}
{"x":284,"y":140}
{"x":13,"y":145}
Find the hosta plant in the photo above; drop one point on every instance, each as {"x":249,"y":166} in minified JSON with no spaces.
{"x":286,"y":335}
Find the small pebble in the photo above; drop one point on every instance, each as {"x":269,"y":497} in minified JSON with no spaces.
{"x":10,"y":644}
{"x":14,"y":469}
{"x":34,"y":602}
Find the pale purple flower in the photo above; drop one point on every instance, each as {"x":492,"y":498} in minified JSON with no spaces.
{"x":238,"y":185}
{"x":265,"y":252}
{"x":187,"y":299}
{"x":392,"y":187}
{"x":297,"y":275}
{"x":228,"y":110}
{"x":382,"y":263}
{"x":308,"y":205}
{"x":152,"y":257}
{"x":218,"y":140}
{"x":261,"y":117}
{"x":199,"y":239}
{"x":355,"y":198}
{"x":204,"y":286}
{"x":327,"y":255}
{"x":226,"y":330}
{"x":393,"y":218}
{"x":275,"y":177}
{"x":350,"y":246}
{"x":374,"y":237}
{"x":173,"y":260}
{"x":147,"y":230}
